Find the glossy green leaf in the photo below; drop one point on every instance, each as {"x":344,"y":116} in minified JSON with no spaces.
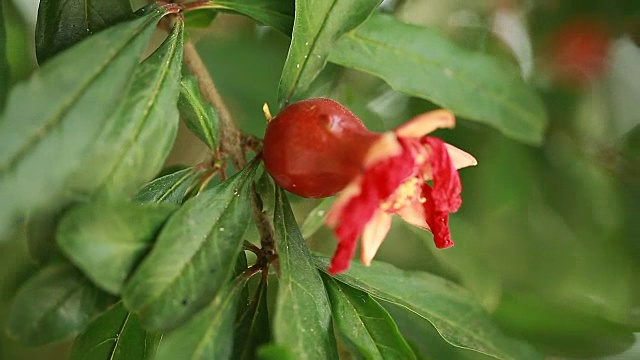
{"x":317,"y":26}
{"x":302,"y":319}
{"x":275,"y":352}
{"x":252,"y":328}
{"x":4,"y":64}
{"x":115,"y":335}
{"x":366,"y":327}
{"x":199,"y":116}
{"x":424,"y":338}
{"x":275,"y":13}
{"x":63,"y":23}
{"x":54,"y":305}
{"x":315,"y":219}
{"x":450,"y":308}
{"x":171,"y":188}
{"x":420,"y":62}
{"x":209,"y":333}
{"x":133,"y":145}
{"x":194,"y":255}
{"x":44,"y":126}
{"x":106,"y":240}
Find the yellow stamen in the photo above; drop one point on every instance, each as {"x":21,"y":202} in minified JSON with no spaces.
{"x":267,"y":112}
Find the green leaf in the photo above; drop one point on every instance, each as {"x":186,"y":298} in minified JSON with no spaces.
{"x":275,"y":13}
{"x":40,"y":231}
{"x":199,"y":116}
{"x":252,"y":328}
{"x":275,"y":352}
{"x":420,"y":62}
{"x":115,"y":335}
{"x":317,"y":26}
{"x":45,"y":132}
{"x":451,"y":310}
{"x":209,"y":333}
{"x":302,"y":320}
{"x":194,"y":255}
{"x":171,"y":188}
{"x":315,"y":218}
{"x":199,"y":19}
{"x":106,"y":240}
{"x":4,"y":63}
{"x":54,"y":305}
{"x":63,"y":23}
{"x":424,"y":338}
{"x":365,"y":325}
{"x":133,"y":145}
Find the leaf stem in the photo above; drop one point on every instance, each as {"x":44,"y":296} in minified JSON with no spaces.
{"x":230,"y":139}
{"x":232,"y":142}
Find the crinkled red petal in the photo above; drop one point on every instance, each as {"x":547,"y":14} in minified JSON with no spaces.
{"x":438,"y":220}
{"x":446,"y":181}
{"x":378,"y":182}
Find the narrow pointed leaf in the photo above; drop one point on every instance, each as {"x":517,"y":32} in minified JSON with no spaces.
{"x":424,"y":338}
{"x":106,"y":240}
{"x":4,"y":64}
{"x":275,"y":352}
{"x":171,"y":188}
{"x":199,"y":116}
{"x":449,"y":308}
{"x":275,"y":13}
{"x":194,"y":256}
{"x":367,"y":328}
{"x":209,"y":333}
{"x":419,"y":62}
{"x":115,"y":335}
{"x":45,"y":132}
{"x":54,"y":305}
{"x":133,"y":145}
{"x":302,"y":319}
{"x":315,"y":218}
{"x":317,"y":26}
{"x":63,"y":23}
{"x":252,"y":328}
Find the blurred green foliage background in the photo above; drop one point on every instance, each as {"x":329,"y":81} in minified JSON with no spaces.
{"x":548,"y":237}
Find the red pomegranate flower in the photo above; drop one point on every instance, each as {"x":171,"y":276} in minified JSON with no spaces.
{"x":316,"y":147}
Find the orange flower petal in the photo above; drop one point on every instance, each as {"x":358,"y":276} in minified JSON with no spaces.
{"x":426,"y":123}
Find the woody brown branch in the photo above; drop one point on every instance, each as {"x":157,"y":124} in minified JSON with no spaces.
{"x":232,"y":141}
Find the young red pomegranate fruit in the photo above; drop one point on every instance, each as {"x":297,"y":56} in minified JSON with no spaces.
{"x":313,"y":148}
{"x":316,"y":147}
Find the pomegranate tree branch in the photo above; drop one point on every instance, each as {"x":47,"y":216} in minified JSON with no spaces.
{"x":232,"y":141}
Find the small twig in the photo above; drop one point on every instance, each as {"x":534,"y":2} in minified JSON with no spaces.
{"x":232,"y":142}
{"x":263,"y":224}
{"x":251,"y":143}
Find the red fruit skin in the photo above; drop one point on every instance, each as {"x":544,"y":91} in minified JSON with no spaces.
{"x":314,"y":147}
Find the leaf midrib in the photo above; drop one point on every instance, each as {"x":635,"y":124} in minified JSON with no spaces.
{"x":151,"y":300}
{"x":359,"y":317}
{"x":200,"y":112}
{"x":525,"y":115}
{"x":56,"y":118}
{"x":377,"y":293}
{"x":204,"y":341}
{"x":313,"y":43}
{"x":113,"y":166}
